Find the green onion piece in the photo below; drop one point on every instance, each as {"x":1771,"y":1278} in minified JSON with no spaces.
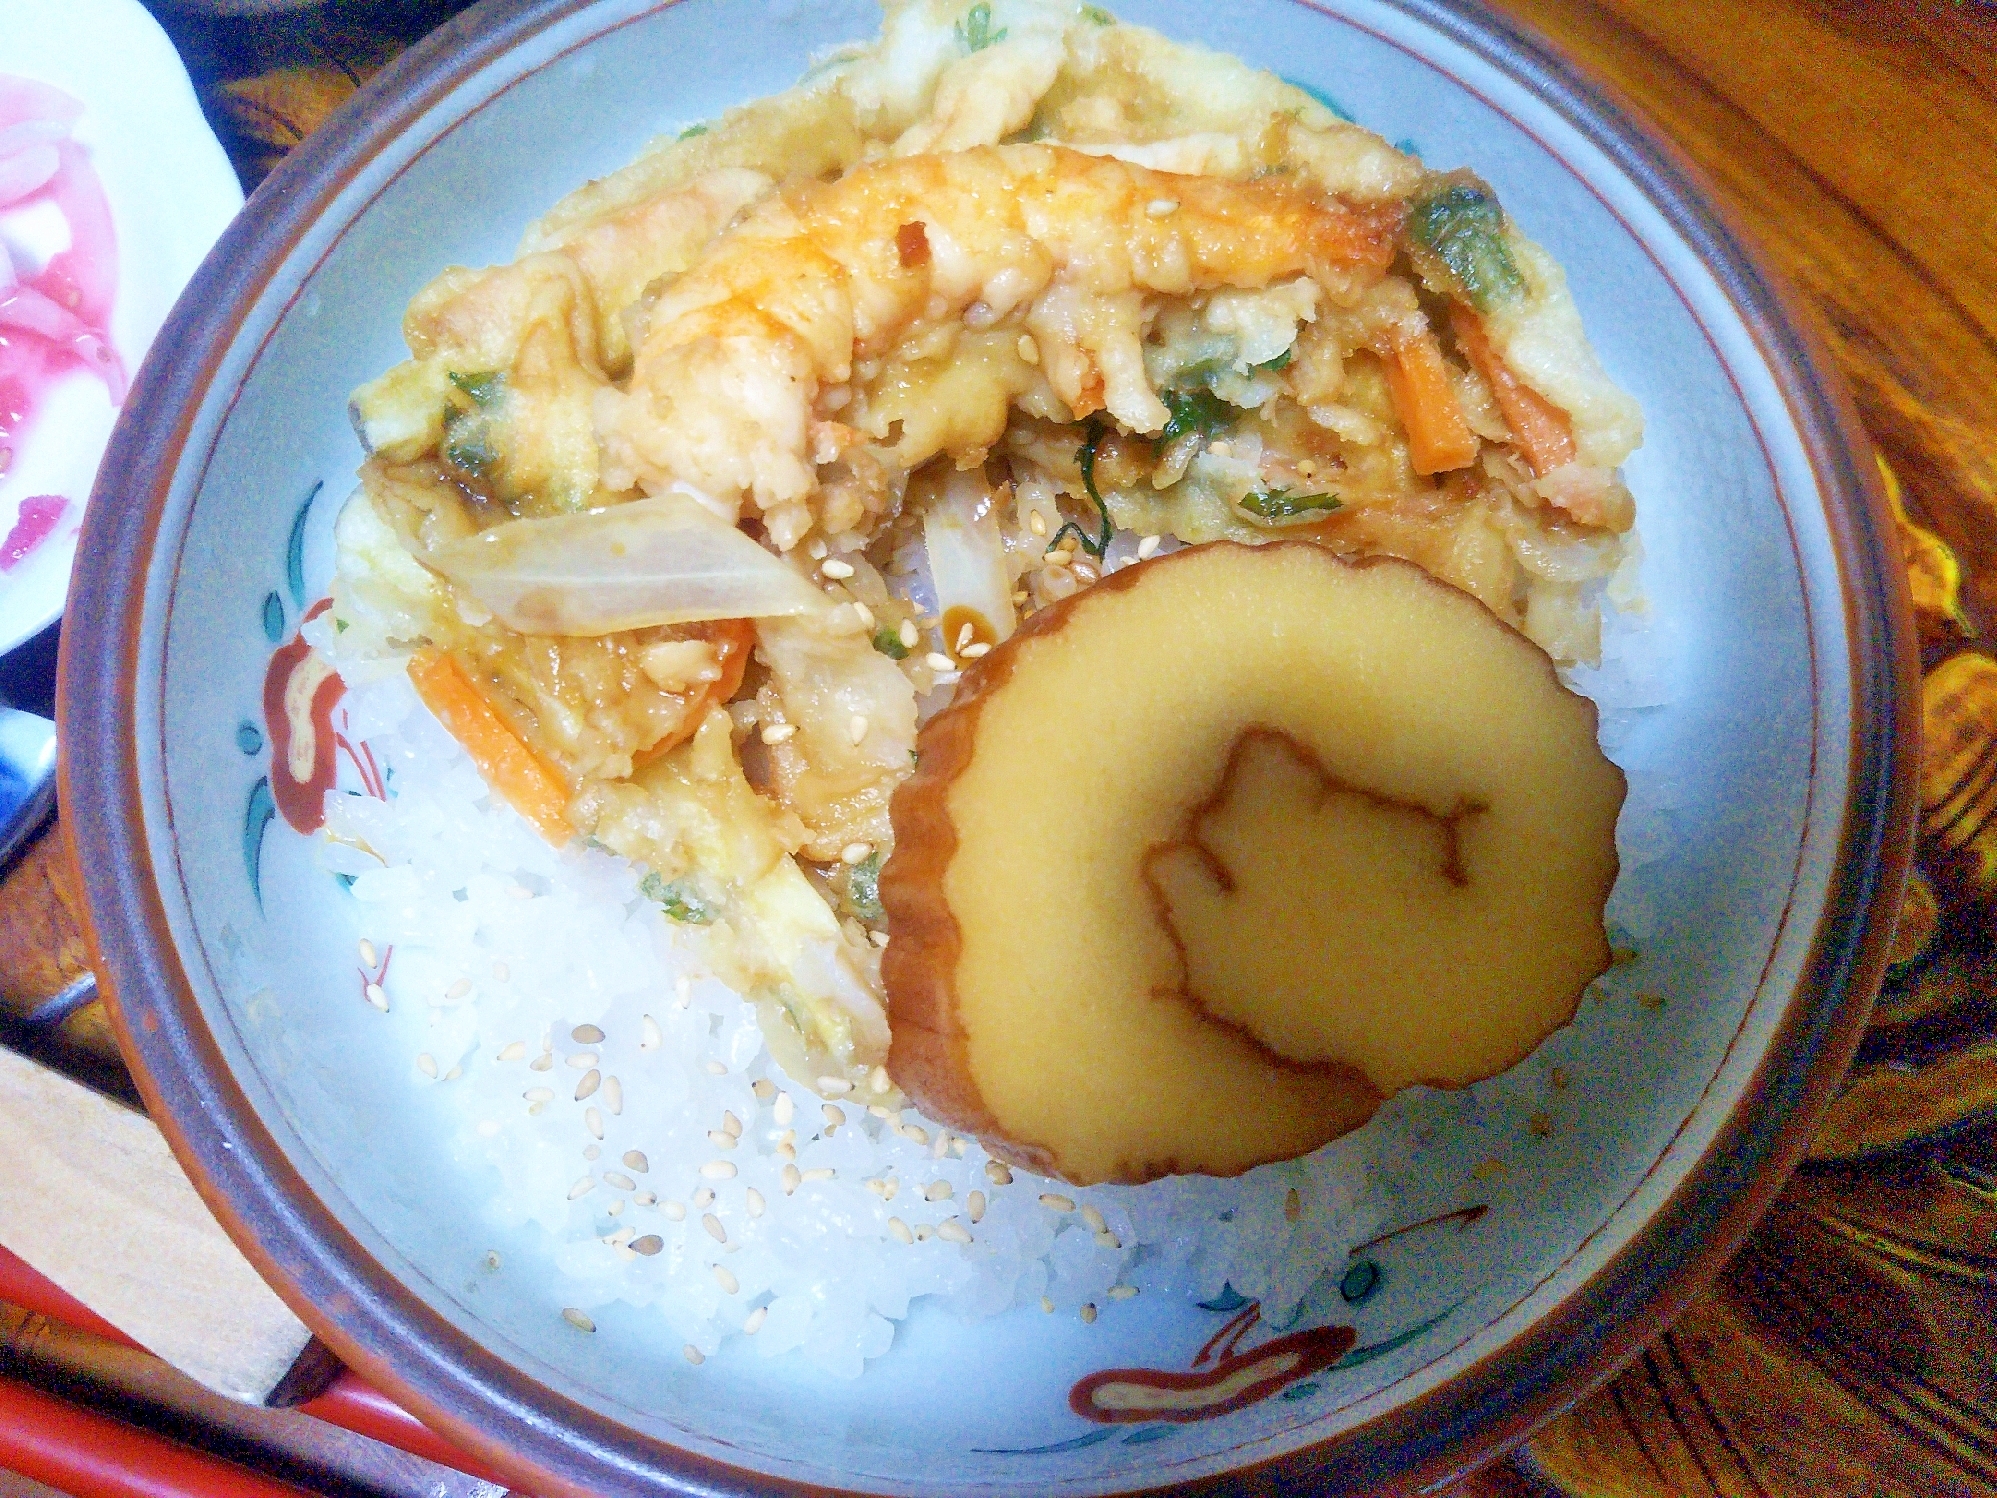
{"x":692,"y":130}
{"x":484,"y":387}
{"x":679,"y":899}
{"x":1095,"y":15}
{"x":887,"y":640}
{"x":975,"y":30}
{"x":863,"y":888}
{"x":1094,"y":546}
{"x":1465,"y":229}
{"x":1195,"y":411}
{"x":1280,"y":362}
{"x":1280,"y":505}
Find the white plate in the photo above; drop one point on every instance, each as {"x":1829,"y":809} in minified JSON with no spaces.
{"x":171,"y":191}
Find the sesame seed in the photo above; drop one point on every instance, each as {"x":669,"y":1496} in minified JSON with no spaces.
{"x":791,"y":1178}
{"x":1029,"y":351}
{"x":1122,"y":1292}
{"x":889,"y":1187}
{"x":776,"y":733}
{"x":837,"y":1086}
{"x":620,"y":1181}
{"x":694,"y":1355}
{"x":784,"y":1108}
{"x":582,"y":1188}
{"x":755,"y":1201}
{"x":1089,"y":1313}
{"x":593,"y":1121}
{"x":857,"y":729}
{"x":492,"y":1258}
{"x":924,"y":1232}
{"x":997,"y":1173}
{"x":592,"y":1152}
{"x":714,"y":1228}
{"x":1221,"y":448}
{"x":703,"y":1198}
{"x":1036,"y":522}
{"x":577,"y":1319}
{"x":964,"y":637}
{"x":1148,"y":547}
{"x":1093,"y":1218}
{"x":936,"y":661}
{"x":683,"y":994}
{"x":427,"y":1064}
{"x":942,"y":1146}
{"x":726,"y":1280}
{"x":674,"y":1210}
{"x":938,"y":1191}
{"x":542,"y":1062}
{"x":721,"y":1139}
{"x":716,"y":1069}
{"x":754,"y":1323}
{"x":915,"y":1133}
{"x":878,"y":1080}
{"x":973,"y":652}
{"x":1055,"y":1203}
{"x":614,"y":1208}
{"x":953,"y":1231}
{"x":591,"y":1080}
{"x":900,"y":1230}
{"x":730,"y":1124}
{"x":1107,"y":1239}
{"x":974,"y":1206}
{"x":376,"y":997}
{"x":646,"y":1199}
{"x":910,"y":635}
{"x":866,"y":616}
{"x":960,"y":1147}
{"x":458,"y":990}
{"x":583,"y":1060}
{"x":1293,"y":1205}
{"x":834,"y":1115}
{"x":822,"y":1173}
{"x":649,"y":1037}
{"x":635,"y":1159}
{"x":514,"y":1051}
{"x":855,"y":853}
{"x":1162,"y":207}
{"x":622,"y":1236}
{"x":1047,"y":1304}
{"x":718,"y":1170}
{"x":764,"y":1089}
{"x":368,"y":957}
{"x":539,"y":1094}
{"x":833,"y":567}
{"x":586,"y":1035}
{"x":648,"y":1245}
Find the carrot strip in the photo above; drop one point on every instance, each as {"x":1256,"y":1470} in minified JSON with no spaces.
{"x":1439,"y":439}
{"x":519,"y":775}
{"x":1540,"y":430}
{"x":732,"y":639}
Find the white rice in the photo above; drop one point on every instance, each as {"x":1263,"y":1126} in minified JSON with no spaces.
{"x":512,"y":945}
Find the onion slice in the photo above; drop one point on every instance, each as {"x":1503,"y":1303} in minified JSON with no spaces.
{"x":665,"y":560}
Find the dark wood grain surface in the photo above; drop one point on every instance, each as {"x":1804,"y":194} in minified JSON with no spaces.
{"x":1847,"y":1351}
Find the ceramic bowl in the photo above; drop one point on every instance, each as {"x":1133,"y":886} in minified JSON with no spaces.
{"x":1535,"y":1229}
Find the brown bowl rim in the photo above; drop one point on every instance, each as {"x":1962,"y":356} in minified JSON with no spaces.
{"x":554,"y":1445}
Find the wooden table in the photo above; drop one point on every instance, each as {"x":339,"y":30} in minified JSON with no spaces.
{"x":1846,"y":1351}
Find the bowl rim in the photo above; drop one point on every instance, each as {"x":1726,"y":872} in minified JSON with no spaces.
{"x":554,"y":1445}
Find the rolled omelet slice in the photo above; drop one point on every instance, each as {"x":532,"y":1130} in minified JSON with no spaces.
{"x":1208,"y":861}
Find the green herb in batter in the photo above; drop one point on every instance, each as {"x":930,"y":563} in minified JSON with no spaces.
{"x":679,"y":899}
{"x":1278,"y":506}
{"x":1464,"y":228}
